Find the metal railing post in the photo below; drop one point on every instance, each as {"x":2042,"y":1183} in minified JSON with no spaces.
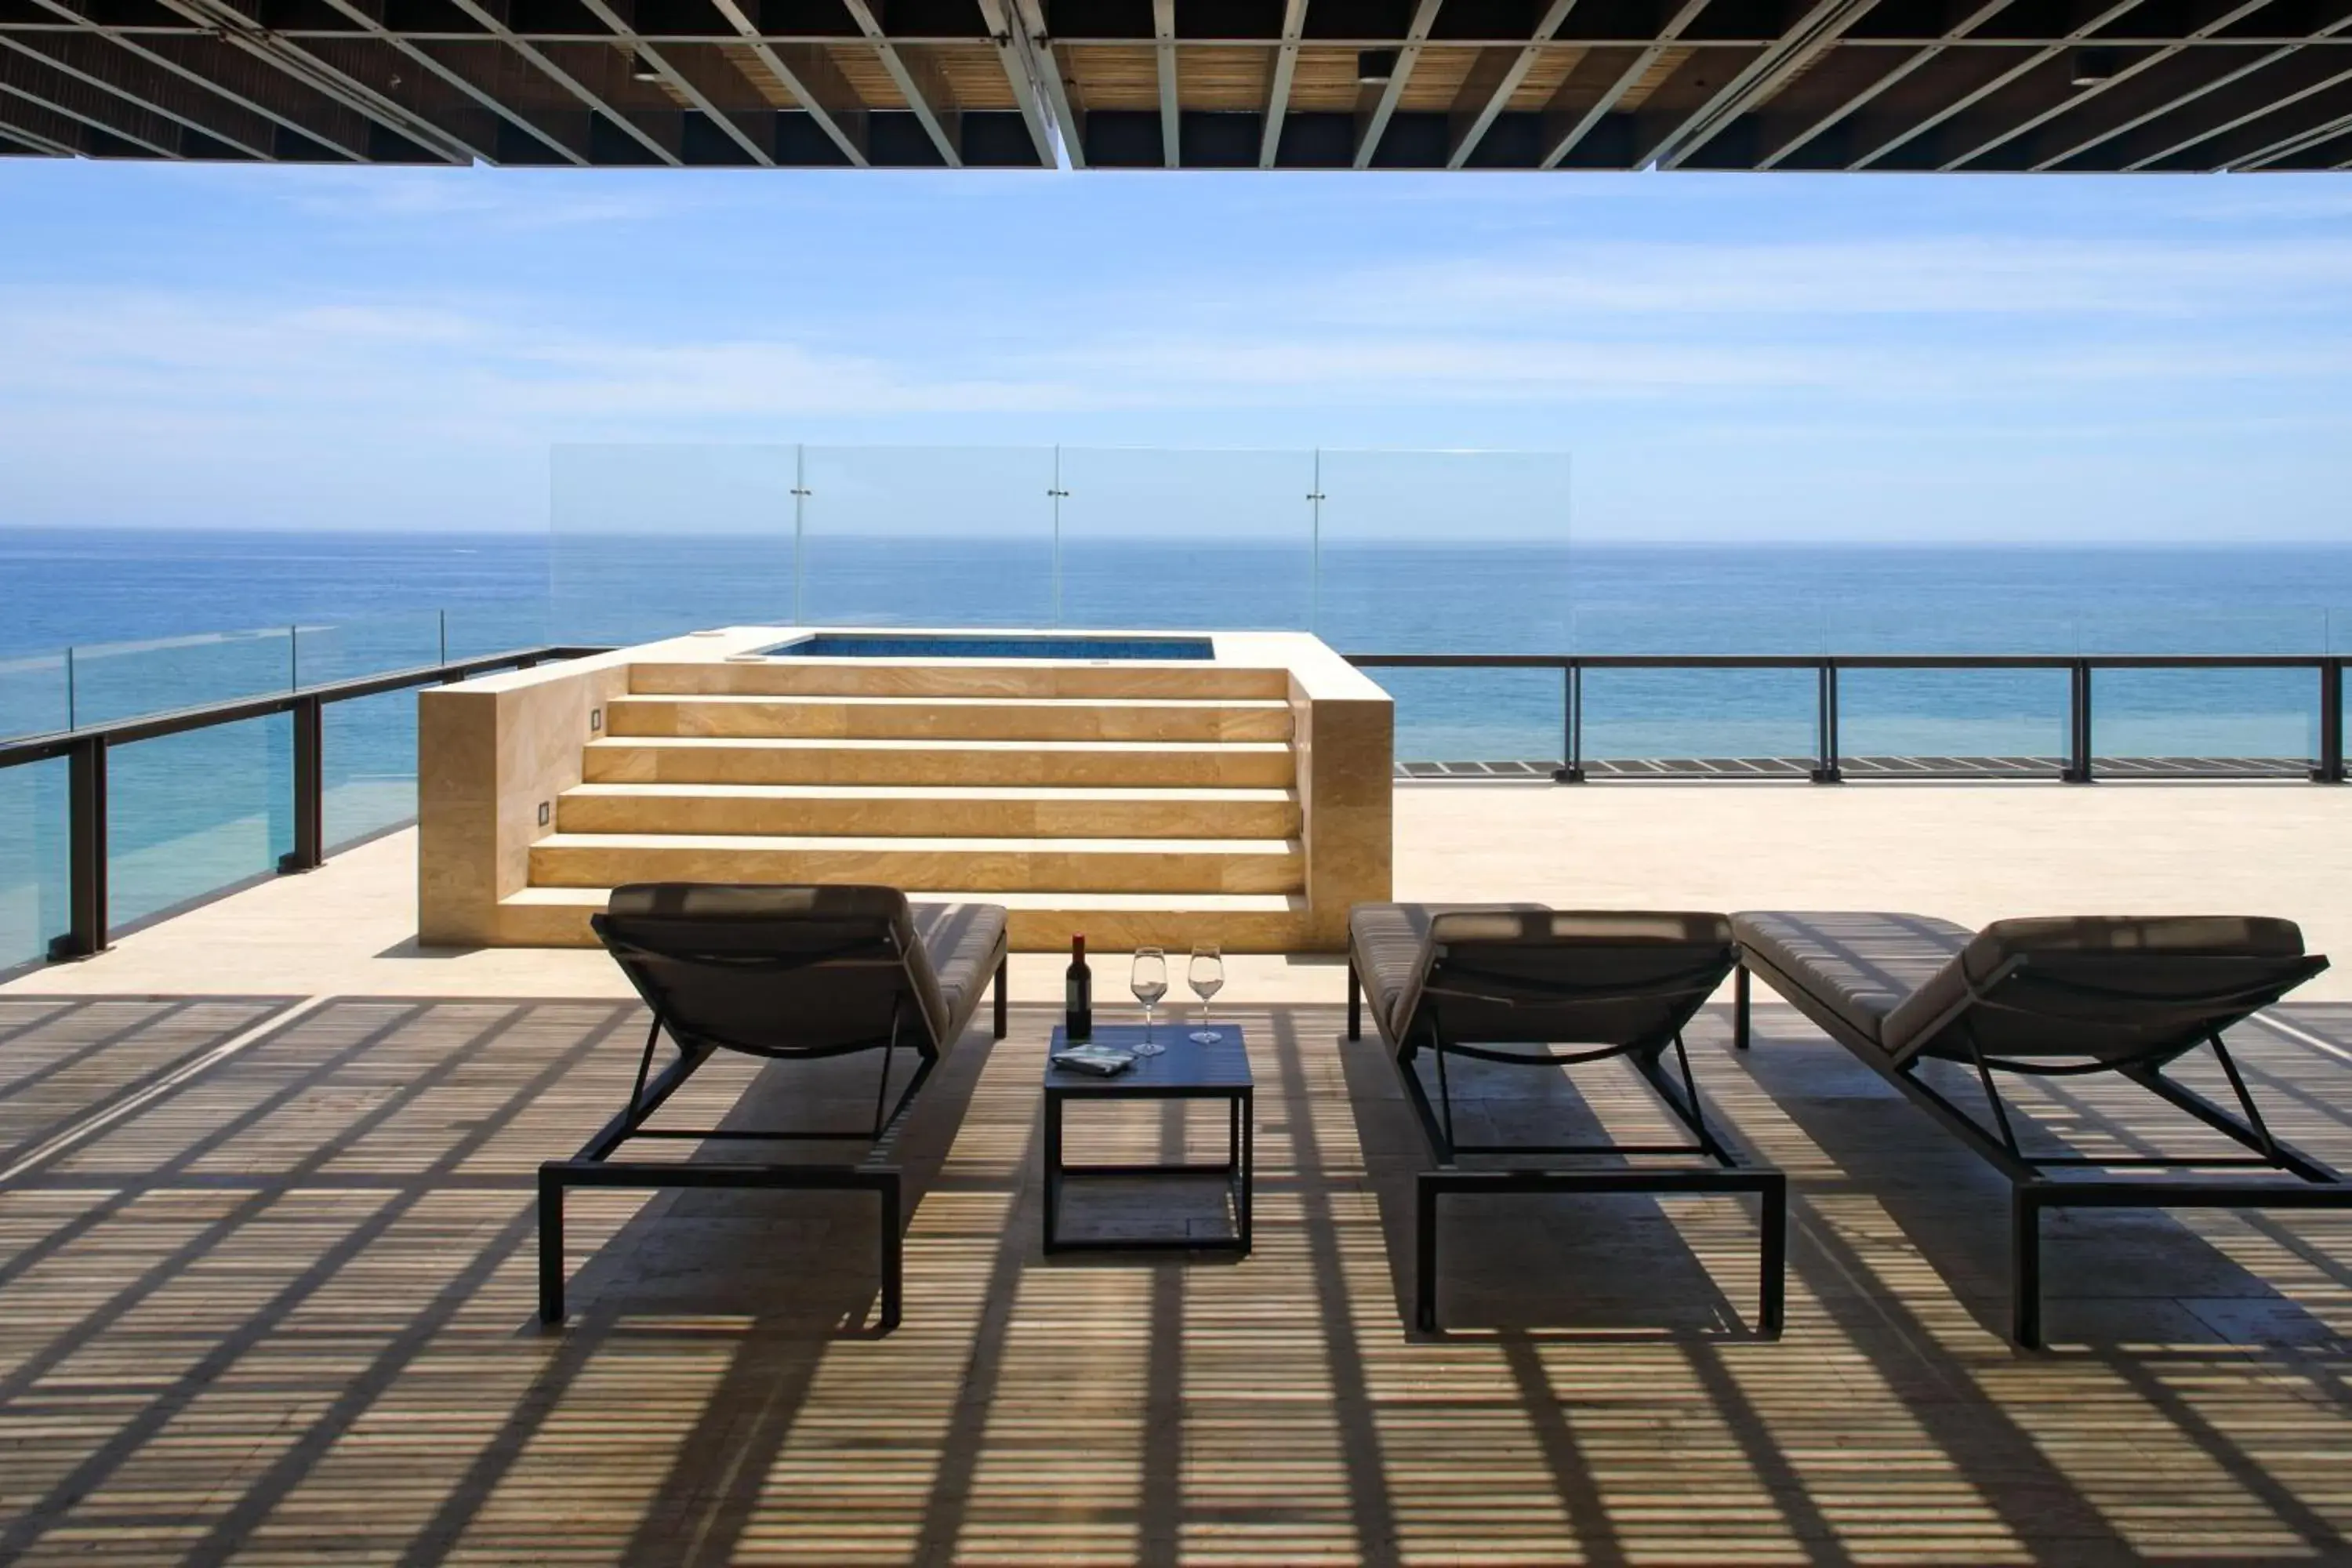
{"x":1571,"y":724}
{"x":2330,"y":768}
{"x":310,"y":849}
{"x":1825,"y":726}
{"x":85,"y":851}
{"x":2078,"y":723}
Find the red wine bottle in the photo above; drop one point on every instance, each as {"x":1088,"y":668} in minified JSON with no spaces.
{"x":1078,"y":996}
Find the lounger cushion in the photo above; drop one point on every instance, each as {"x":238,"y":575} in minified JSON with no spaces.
{"x":1398,"y":946}
{"x":966,"y":942}
{"x":1858,"y":967}
{"x":1388,"y":942}
{"x":774,"y":921}
{"x":2154,"y":936}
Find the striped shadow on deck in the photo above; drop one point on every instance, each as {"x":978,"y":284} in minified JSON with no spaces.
{"x":285,"y":1311}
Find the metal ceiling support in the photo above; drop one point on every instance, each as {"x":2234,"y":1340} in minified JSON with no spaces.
{"x":1163,"y":60}
{"x":367,"y":100}
{"x":1816,"y":32}
{"x":2317,"y":136}
{"x":1278,"y":92}
{"x":816,"y":83}
{"x":27,"y":77}
{"x":42,"y":130}
{"x":1861,"y":99}
{"x":1582,"y":126}
{"x":925,"y":95}
{"x":2170,"y":105}
{"x":595,"y":102}
{"x":2082,"y":95}
{"x":1017,"y":31}
{"x":691,"y":75}
{"x":136,"y":79}
{"x":1472,"y":130}
{"x":1369,"y":131}
{"x":233,"y":76}
{"x":368,"y":14}
{"x":2259,"y":111}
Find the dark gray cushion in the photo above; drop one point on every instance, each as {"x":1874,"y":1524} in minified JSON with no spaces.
{"x":843,"y":995}
{"x":1389,"y":943}
{"x":2156,"y":938}
{"x":1859,"y":966}
{"x":1561,"y":969}
{"x":965,"y":943}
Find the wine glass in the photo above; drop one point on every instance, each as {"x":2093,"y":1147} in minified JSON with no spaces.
{"x":1149,"y":983}
{"x":1206,"y":976}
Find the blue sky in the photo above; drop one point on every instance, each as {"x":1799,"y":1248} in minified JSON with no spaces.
{"x":1866,"y":358}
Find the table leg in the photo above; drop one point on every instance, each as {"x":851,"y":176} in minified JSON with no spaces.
{"x":1053,"y":1167}
{"x":1249,"y":1139}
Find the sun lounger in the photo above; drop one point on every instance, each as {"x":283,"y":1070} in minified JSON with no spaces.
{"x":1526,"y":986}
{"x":2126,"y":995}
{"x":790,"y":973}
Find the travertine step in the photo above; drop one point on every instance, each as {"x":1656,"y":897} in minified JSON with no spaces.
{"x":1235,"y":765}
{"x":1071,"y":865}
{"x":963,"y":810}
{"x":954,"y":717}
{"x":1041,"y":922}
{"x":974,"y":678}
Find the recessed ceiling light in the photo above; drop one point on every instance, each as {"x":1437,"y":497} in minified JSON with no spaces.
{"x":1375,"y":65}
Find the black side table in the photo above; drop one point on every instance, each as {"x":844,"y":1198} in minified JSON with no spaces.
{"x":1186,"y":1069}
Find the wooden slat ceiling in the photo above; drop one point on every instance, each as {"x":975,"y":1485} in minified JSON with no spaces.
{"x":2160,"y":84}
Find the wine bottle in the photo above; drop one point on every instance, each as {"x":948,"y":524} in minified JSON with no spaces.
{"x":1078,"y":996}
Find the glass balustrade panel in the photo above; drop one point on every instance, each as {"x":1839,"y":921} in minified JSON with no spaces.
{"x":1442,"y":552}
{"x":33,"y":905}
{"x":652,"y":542}
{"x":926,"y":536}
{"x":1153,"y":539}
{"x":192,"y":814}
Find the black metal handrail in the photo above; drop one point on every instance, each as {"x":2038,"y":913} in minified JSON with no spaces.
{"x":85,"y":751}
{"x":2078,"y":766}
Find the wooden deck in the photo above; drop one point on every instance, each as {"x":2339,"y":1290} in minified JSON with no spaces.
{"x":267,"y":1273}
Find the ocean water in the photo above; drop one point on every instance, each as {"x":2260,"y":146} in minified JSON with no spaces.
{"x":160,"y":619}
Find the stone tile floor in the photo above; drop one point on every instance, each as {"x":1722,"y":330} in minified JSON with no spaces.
{"x":266,"y":1295}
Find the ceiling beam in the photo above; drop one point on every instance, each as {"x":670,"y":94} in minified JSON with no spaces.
{"x":706,"y":82}
{"x":42,"y":130}
{"x":816,"y":83}
{"x":1163,"y":67}
{"x":925,"y":93}
{"x":1471,"y":129}
{"x":1812,"y":35}
{"x":1278,"y":91}
{"x":136,"y":79}
{"x":2128,"y":113}
{"x":1582,"y":126}
{"x":2262,"y":107}
{"x":26,"y":77}
{"x":371,"y":102}
{"x":2277,"y":152}
{"x":1017,"y":28}
{"x":1965,"y":27}
{"x":226,"y":72}
{"x":550,"y":67}
{"x":1371,"y":127}
{"x":565,"y":144}
{"x":2001,"y":136}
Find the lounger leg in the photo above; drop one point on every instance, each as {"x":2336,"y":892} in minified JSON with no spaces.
{"x":1739,"y":1008}
{"x":2025,"y":1268}
{"x":1002,"y":966}
{"x":1424,"y":1262}
{"x":551,"y":1247}
{"x":1772,"y":1264}
{"x":893,"y":1254}
{"x":1355,"y":1001}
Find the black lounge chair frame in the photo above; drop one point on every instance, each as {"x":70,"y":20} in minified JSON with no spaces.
{"x":1680,"y":995}
{"x":2036,"y":1185}
{"x":594,"y":1166}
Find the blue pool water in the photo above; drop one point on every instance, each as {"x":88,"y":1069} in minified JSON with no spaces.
{"x":861,"y":645}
